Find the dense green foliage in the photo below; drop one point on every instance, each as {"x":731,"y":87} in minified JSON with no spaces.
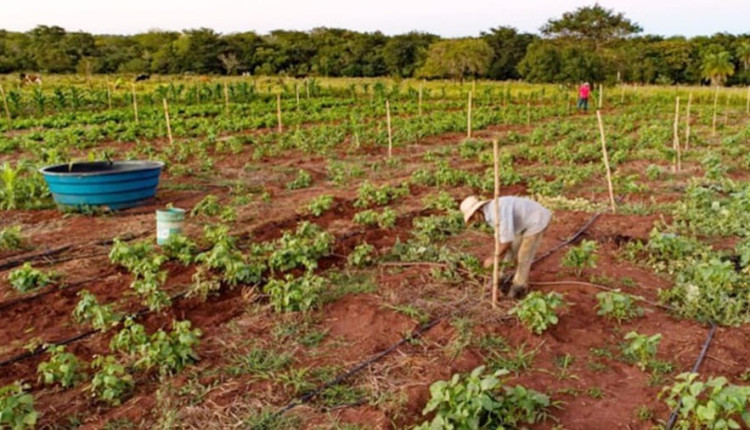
{"x":590,"y":43}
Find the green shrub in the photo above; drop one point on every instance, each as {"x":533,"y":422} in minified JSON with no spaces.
{"x":112,"y":382}
{"x":17,"y":408}
{"x":10,"y":238}
{"x":89,"y":311}
{"x":361,"y":255}
{"x":714,"y":404}
{"x":208,"y":206}
{"x":295,"y":294}
{"x":26,"y":278}
{"x":480,"y":401}
{"x":320,"y":204}
{"x":617,"y":306}
{"x":537,"y":310}
{"x":640,"y":348}
{"x":581,"y":257}
{"x":62,"y":367}
{"x":303,"y":180}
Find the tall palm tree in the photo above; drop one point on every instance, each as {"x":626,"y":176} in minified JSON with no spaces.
{"x":743,"y":54}
{"x":717,"y":67}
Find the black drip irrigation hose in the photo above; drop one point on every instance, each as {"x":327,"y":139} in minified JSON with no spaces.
{"x":413,"y":335}
{"x":79,"y":336}
{"x":64,"y":287}
{"x":696,"y":366}
{"x":15,"y":262}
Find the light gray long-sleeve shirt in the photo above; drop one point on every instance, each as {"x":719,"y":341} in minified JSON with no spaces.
{"x":518,"y":216}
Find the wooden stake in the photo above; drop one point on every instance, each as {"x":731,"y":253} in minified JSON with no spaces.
{"x":296,"y":90}
{"x":419,"y":104}
{"x":687,"y":122}
{"x":135,"y":103}
{"x":601,"y":95}
{"x":676,"y":142}
{"x":307,"y":88}
{"x":278,"y":110}
{"x":496,"y":259}
{"x":390,"y":132}
{"x":169,"y":125}
{"x":468,"y":117}
{"x":726,"y":109}
{"x":109,"y":95}
{"x":716,"y":101}
{"x":606,"y":161}
{"x":528,"y":113}
{"x":226,"y":98}
{"x":5,"y":103}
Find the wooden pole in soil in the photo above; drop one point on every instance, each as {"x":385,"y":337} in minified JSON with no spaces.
{"x":109,"y":95}
{"x":726,"y":109}
{"x":419,"y":104}
{"x":601,"y":95}
{"x":307,"y":88}
{"x":135,"y":103}
{"x":390,"y":132}
{"x":468,"y":117}
{"x":716,"y":101}
{"x":528,"y":113}
{"x":278,"y":111}
{"x":5,"y":103}
{"x":676,"y":142}
{"x":606,"y":161}
{"x":496,"y":230}
{"x":296,"y":90}
{"x":687,"y":122}
{"x":169,"y":125}
{"x":226,"y":98}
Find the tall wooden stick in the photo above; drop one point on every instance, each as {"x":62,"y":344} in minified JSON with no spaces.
{"x":296,"y":90}
{"x":528,"y":113}
{"x":687,"y":122}
{"x":601,"y":95}
{"x":5,"y":103}
{"x":390,"y":132}
{"x":496,"y":231}
{"x":726,"y":109}
{"x":169,"y":125}
{"x":716,"y":101}
{"x":606,"y":161}
{"x":676,"y":141}
{"x":135,"y":103}
{"x":226,"y":98}
{"x":307,"y":88}
{"x":278,"y":112}
{"x":419,"y":104}
{"x":468,"y":117}
{"x":109,"y":95}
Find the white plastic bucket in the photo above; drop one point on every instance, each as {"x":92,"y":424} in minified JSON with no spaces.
{"x":168,"y":222}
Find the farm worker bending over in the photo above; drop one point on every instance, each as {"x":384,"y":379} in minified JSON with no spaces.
{"x":584,"y":91}
{"x":522,"y":224}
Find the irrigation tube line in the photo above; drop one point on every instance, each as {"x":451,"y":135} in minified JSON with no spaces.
{"x":43,"y":348}
{"x":696,"y":366}
{"x":413,"y":335}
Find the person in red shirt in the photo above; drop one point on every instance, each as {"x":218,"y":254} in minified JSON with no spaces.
{"x":584,"y":91}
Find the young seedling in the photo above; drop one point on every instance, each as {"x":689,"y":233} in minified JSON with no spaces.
{"x":537,"y":311}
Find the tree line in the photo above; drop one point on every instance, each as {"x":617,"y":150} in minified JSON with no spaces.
{"x":589,"y":44}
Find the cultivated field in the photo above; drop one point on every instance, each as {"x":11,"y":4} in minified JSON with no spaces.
{"x":319,"y":275}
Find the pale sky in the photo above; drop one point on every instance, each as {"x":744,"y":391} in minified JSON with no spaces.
{"x":448,"y":18}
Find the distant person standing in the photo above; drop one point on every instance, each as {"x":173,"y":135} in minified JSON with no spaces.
{"x":584,"y":91}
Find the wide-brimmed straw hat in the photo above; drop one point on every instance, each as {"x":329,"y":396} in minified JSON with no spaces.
{"x":470,"y":205}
